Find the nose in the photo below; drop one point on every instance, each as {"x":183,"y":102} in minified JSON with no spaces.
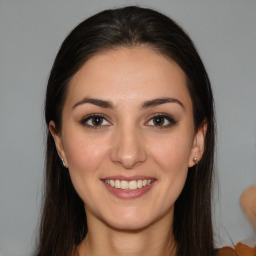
{"x":128,"y":148}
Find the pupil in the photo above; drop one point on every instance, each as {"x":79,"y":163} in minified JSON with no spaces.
{"x":97,"y":120}
{"x":158,"y":121}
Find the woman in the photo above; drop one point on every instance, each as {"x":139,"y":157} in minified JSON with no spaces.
{"x":130,"y":114}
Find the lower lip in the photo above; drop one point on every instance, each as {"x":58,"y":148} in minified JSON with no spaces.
{"x":127,"y":193}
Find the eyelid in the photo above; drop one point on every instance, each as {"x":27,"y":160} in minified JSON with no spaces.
{"x":168,"y":117}
{"x":90,"y":116}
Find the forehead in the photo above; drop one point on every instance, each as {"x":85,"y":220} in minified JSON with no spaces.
{"x":129,"y":75}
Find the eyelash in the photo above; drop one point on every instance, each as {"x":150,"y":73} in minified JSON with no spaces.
{"x":85,"y":121}
{"x":171,"y":121}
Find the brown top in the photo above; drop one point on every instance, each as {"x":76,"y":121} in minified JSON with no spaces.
{"x":239,"y":250}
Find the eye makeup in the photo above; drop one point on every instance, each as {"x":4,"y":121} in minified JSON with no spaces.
{"x":95,"y":121}
{"x":158,"y":120}
{"x":161,"y":120}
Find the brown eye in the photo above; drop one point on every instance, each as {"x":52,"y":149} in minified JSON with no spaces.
{"x":95,"y":121}
{"x":161,"y":121}
{"x":158,"y":121}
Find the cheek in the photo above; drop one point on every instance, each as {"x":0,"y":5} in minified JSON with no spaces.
{"x":85,"y":157}
{"x":172,"y":157}
{"x":172,"y":153}
{"x":83,"y":152}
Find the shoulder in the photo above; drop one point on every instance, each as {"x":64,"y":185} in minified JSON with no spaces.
{"x":240,"y":249}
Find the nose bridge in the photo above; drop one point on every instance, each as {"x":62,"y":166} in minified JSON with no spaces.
{"x":128,"y":148}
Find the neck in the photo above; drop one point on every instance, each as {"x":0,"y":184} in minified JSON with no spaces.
{"x":154,"y":240}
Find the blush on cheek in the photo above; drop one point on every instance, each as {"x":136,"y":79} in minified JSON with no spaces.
{"x":173,"y":157}
{"x":84,"y":155}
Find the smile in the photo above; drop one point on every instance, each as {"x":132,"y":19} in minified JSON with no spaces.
{"x":128,"y":185}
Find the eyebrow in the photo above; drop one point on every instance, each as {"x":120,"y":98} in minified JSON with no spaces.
{"x":97,"y":102}
{"x":156,"y":102}
{"x":145,"y":105}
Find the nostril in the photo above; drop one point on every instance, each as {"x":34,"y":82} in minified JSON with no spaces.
{"x":131,"y":162}
{"x":128,"y":149}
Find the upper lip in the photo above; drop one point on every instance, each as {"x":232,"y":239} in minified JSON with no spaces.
{"x":120,"y":177}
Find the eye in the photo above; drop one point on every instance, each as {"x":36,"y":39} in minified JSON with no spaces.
{"x":95,"y":121}
{"x":161,"y":121}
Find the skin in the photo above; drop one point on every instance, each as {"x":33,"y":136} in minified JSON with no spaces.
{"x":128,"y":142}
{"x":248,"y":204}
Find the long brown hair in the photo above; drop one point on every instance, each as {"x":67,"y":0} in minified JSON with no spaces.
{"x":63,"y":223}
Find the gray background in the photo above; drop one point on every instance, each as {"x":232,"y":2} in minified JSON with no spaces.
{"x":31,"y":32}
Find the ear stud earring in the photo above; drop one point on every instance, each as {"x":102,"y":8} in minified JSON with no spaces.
{"x":63,"y":163}
{"x":195,"y":160}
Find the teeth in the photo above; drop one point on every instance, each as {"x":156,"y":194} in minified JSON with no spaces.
{"x":117,"y":184}
{"x":128,"y":185}
{"x":124,"y":184}
{"x":133,"y":184}
{"x":139,"y":182}
{"x":144,"y":183}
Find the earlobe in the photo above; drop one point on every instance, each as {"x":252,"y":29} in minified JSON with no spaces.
{"x":197,"y":150}
{"x":58,"y":142}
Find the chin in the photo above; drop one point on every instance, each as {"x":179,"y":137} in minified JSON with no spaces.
{"x":130,"y":220}
{"x":128,"y":226}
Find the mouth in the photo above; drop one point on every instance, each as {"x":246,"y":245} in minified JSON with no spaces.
{"x":128,"y":185}
{"x":128,"y":188}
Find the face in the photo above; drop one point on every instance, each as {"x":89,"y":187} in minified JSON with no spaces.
{"x":128,"y":136}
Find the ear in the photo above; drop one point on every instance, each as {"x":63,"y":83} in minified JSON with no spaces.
{"x":58,"y":142}
{"x":197,"y":150}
